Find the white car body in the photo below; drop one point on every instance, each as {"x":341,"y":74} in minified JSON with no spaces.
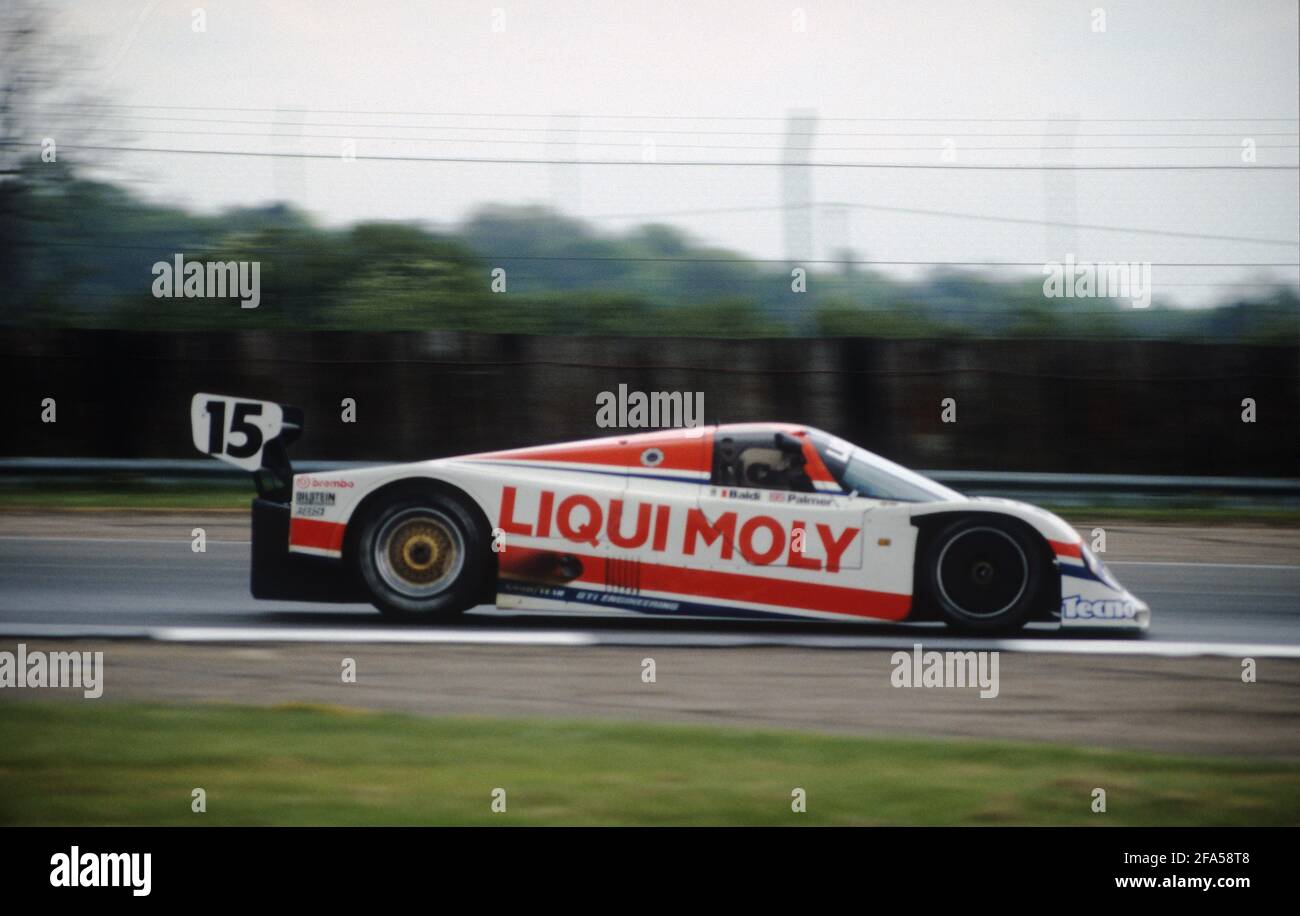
{"x":640,"y":524}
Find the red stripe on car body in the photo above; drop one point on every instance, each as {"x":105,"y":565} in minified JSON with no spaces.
{"x":544,"y":566}
{"x":1062,"y":549}
{"x":312,"y":532}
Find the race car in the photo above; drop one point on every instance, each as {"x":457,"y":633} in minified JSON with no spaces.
{"x":756,"y":520}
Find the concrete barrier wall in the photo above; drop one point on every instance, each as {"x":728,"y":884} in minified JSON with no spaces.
{"x":1078,"y":406}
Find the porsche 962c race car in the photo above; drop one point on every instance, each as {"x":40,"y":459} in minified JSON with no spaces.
{"x":763,"y":520}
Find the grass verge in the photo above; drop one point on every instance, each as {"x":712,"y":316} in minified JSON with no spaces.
{"x":1168,"y":515}
{"x":127,"y":496}
{"x":91,"y":763}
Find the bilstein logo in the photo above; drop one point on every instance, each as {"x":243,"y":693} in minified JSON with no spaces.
{"x":312,"y":503}
{"x":1075,"y":608}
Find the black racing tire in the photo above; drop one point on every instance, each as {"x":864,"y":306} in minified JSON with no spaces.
{"x":984,"y":574}
{"x":422,"y":555}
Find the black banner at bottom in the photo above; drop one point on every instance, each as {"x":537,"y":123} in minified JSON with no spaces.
{"x":335,"y":864}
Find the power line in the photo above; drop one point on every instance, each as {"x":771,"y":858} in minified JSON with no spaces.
{"x":673,"y":117}
{"x":1157,"y":286}
{"x":1090,"y":226}
{"x":681,"y":131}
{"x":876,"y":263}
{"x":636,"y":145}
{"x":270,"y":298}
{"x":495,"y":257}
{"x":675,"y":163}
{"x":727,"y":210}
{"x":957,"y":215}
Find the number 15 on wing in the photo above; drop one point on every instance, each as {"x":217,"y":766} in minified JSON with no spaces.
{"x":234,"y":429}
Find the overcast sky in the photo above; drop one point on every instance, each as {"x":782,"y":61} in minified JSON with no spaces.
{"x":706,"y":66}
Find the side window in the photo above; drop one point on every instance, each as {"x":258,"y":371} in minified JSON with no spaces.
{"x":834,"y":454}
{"x":771,"y":461}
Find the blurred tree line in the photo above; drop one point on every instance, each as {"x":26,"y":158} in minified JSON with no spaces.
{"x":78,"y":252}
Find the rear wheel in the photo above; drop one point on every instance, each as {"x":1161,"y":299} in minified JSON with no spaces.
{"x":984,"y":574}
{"x":422,"y":555}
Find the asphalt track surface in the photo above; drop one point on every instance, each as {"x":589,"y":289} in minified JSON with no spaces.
{"x":137,"y":571}
{"x":100,"y":581}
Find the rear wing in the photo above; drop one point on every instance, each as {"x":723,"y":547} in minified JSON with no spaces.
{"x":249,"y":434}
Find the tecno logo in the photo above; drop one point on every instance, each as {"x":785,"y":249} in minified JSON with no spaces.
{"x":1076,"y":608}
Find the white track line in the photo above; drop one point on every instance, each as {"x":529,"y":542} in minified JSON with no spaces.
{"x":1206,"y":565}
{"x":1082,"y":646}
{"x":367,"y":635}
{"x":582,"y":638}
{"x":183,"y":539}
{"x":306,"y":634}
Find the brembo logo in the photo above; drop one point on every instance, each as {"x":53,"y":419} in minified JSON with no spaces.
{"x":759,"y":539}
{"x":304,"y":481}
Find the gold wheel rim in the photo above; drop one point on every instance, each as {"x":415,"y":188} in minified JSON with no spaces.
{"x":421,"y":551}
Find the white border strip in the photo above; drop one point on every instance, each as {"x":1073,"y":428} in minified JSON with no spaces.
{"x":582,"y":638}
{"x":377,"y":635}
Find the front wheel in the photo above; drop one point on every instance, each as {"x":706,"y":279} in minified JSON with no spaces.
{"x":422,"y":556}
{"x":984,"y":574}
